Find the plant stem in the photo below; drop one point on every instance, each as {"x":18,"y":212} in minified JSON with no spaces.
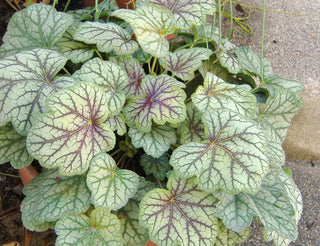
{"x":116,"y":152}
{"x":98,"y":53}
{"x":159,"y":183}
{"x":231,"y":20}
{"x":9,"y":175}
{"x":220,"y":23}
{"x":66,"y":71}
{"x":153,"y":64}
{"x":262,"y":37}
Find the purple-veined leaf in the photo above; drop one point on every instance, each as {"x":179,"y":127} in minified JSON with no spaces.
{"x":192,"y":128}
{"x":117,"y":123}
{"x":107,"y":37}
{"x":100,"y":228}
{"x":271,"y":204}
{"x":162,"y":101}
{"x":51,"y":196}
{"x":150,"y":23}
{"x":227,"y":57}
{"x":110,"y":77}
{"x":181,"y":215}
{"x":26,"y":79}
{"x":132,"y":232}
{"x":13,"y":148}
{"x":233,"y":159}
{"x":110,"y":186}
{"x":155,"y":142}
{"x":73,"y":131}
{"x":216,"y":93}
{"x":158,"y":167}
{"x":184,"y":62}
{"x":38,"y":26}
{"x":135,"y":74}
{"x":188,"y":12}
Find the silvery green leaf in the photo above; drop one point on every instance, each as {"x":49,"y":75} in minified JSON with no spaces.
{"x":150,"y":23}
{"x":132,"y":232}
{"x":107,"y":75}
{"x":26,"y":79}
{"x":73,"y":131}
{"x":13,"y":148}
{"x":155,"y":142}
{"x":271,"y":204}
{"x":275,"y":82}
{"x":232,"y":159}
{"x":279,"y":111}
{"x":107,"y":37}
{"x":162,"y":101}
{"x":101,"y":228}
{"x":251,"y":62}
{"x":192,"y":128}
{"x":51,"y":196}
{"x":110,"y":186}
{"x":135,"y":74}
{"x":158,"y":167}
{"x":228,"y":237}
{"x":76,"y":51}
{"x":38,"y":26}
{"x":117,"y":123}
{"x":216,"y":93}
{"x":227,"y":57}
{"x":188,"y":13}
{"x":181,"y":215}
{"x":184,"y":62}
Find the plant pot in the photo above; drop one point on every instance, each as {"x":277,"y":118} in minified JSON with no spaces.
{"x":27,"y":174}
{"x":123,"y":4}
{"x":150,"y":243}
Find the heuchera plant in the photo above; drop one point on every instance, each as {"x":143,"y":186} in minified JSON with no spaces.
{"x":147,"y":124}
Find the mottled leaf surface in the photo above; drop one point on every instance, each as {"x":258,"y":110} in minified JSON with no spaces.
{"x":13,"y":148}
{"x":38,"y":26}
{"x":150,"y":23}
{"x":156,"y":142}
{"x":110,"y":77}
{"x":101,"y":228}
{"x":188,"y":12}
{"x":26,"y":79}
{"x":216,"y":93}
{"x":233,"y":159}
{"x":110,"y":186}
{"x":227,"y":57}
{"x":73,"y":131}
{"x":271,"y":204}
{"x":275,"y":82}
{"x":117,"y":123}
{"x":192,"y":128}
{"x":162,"y":101}
{"x":181,"y":215}
{"x":228,"y":237}
{"x":107,"y":37}
{"x":51,"y":196}
{"x":158,"y":167}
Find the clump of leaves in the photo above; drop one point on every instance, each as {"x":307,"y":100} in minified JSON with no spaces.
{"x":145,"y":127}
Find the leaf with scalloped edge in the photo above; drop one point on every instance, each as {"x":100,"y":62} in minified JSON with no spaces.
{"x":38,"y":26}
{"x":132,"y":232}
{"x":73,"y":131}
{"x":232,"y":159}
{"x":76,"y":51}
{"x":110,"y":186}
{"x":158,"y":167}
{"x":192,"y":128}
{"x":107,"y":37}
{"x":150,"y":23}
{"x":26,"y":79}
{"x":181,"y":215}
{"x":275,"y":82}
{"x":162,"y":101}
{"x":279,"y":110}
{"x":117,"y":123}
{"x":228,"y":237}
{"x":227,"y":56}
{"x":184,"y":62}
{"x":216,"y":93}
{"x":51,"y":196}
{"x":155,"y":142}
{"x":188,"y":13}
{"x":295,"y":197}
{"x":135,"y":74}
{"x":13,"y":148}
{"x":99,"y":228}
{"x":110,"y":77}
{"x":271,"y":204}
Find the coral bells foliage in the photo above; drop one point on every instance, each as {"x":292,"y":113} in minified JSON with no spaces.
{"x":141,"y":136}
